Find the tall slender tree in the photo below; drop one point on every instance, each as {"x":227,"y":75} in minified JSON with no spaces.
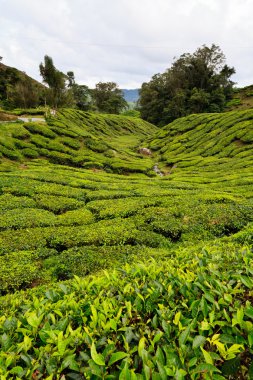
{"x":56,"y":82}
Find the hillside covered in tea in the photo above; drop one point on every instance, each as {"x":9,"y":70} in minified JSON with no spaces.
{"x":242,"y":99}
{"x":80,"y":139}
{"x":110,"y":271}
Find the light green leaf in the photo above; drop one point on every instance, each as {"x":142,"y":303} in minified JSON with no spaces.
{"x":234,"y":350}
{"x":180,"y":374}
{"x":17,"y":371}
{"x":207,"y":356}
{"x":125,"y":374}
{"x":198,"y":341}
{"x":177,"y":318}
{"x":246,"y":281}
{"x":162,"y":371}
{"x":94,"y":315}
{"x":116,"y":357}
{"x":98,"y":358}
{"x":147,"y":372}
{"x":240,"y":315}
{"x":157,"y":337}
{"x":33,"y":320}
{"x":141,"y":346}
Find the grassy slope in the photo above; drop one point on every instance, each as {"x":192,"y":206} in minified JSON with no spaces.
{"x":242,"y":99}
{"x":62,"y":221}
{"x":208,"y":148}
{"x":80,"y":139}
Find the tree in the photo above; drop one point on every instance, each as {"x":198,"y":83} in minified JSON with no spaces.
{"x":198,"y":82}
{"x":71,"y":79}
{"x":58,"y":94}
{"x":24,"y":94}
{"x":18,"y":90}
{"x":82,"y":97}
{"x":108,"y":98}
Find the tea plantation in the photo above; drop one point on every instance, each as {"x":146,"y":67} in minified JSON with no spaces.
{"x":109,"y":271}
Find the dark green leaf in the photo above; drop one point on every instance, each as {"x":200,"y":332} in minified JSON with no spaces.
{"x":205,"y":367}
{"x":5,"y":341}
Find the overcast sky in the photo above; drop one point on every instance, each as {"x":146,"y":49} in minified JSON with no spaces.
{"x":125,"y":41}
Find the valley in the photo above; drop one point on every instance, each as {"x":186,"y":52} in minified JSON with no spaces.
{"x":110,"y":271}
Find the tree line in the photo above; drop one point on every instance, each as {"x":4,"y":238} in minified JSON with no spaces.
{"x":195,"y":83}
{"x":17,"y":90}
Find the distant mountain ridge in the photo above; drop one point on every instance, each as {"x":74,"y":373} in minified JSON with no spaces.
{"x":131,"y":95}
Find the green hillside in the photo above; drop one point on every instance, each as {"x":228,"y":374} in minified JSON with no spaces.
{"x":109,"y":271}
{"x":17,"y":89}
{"x":80,"y":139}
{"x":242,"y":99}
{"x":207,"y":145}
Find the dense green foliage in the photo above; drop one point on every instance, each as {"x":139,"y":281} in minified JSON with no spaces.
{"x":195,"y":83}
{"x":108,"y":98}
{"x":19,"y":90}
{"x":185,"y":318}
{"x":65,"y":212}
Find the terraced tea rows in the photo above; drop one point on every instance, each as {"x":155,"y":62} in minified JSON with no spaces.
{"x":60,"y":222}
{"x":186,"y":313}
{"x":80,"y":139}
{"x":212,"y":143}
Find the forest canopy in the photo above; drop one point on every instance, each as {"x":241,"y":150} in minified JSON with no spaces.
{"x":198,"y":82}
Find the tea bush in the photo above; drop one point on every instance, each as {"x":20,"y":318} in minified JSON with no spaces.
{"x":30,"y":153}
{"x":40,"y":129}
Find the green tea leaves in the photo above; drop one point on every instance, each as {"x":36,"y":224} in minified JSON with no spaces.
{"x":98,"y":358}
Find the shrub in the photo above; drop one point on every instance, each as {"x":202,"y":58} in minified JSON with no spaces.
{"x":11,"y":154}
{"x":24,"y":218}
{"x":57,"y":204}
{"x":30,"y":153}
{"x":71,"y":142}
{"x":40,"y":129}
{"x":59,"y":157}
{"x":96,"y":145}
{"x":19,"y":132}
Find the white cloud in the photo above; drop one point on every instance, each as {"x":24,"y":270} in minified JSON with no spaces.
{"x":126,"y":41}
